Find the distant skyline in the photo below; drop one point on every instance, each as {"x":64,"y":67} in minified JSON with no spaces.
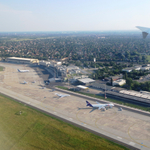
{"x":79,"y":15}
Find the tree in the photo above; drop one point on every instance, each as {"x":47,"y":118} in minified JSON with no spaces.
{"x":127,"y":54}
{"x":111,"y":82}
{"x":129,"y":82}
{"x":126,"y":75}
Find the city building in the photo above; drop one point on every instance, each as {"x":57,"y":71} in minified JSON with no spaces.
{"x":44,"y":63}
{"x":127,"y":70}
{"x":119,"y":82}
{"x":145,"y":68}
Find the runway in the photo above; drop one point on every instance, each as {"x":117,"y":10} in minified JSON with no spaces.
{"x":128,"y":127}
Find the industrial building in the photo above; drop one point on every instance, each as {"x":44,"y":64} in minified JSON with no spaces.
{"x":22,"y":60}
{"x":131,"y":96}
{"x":85,"y":81}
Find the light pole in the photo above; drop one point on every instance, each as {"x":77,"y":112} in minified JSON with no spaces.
{"x":105,"y":91}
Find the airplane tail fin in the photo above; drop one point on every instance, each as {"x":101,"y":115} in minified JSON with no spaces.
{"x":18,"y":70}
{"x":88,"y":104}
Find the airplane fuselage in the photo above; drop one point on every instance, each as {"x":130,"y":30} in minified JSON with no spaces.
{"x":23,"y":70}
{"x":101,"y":105}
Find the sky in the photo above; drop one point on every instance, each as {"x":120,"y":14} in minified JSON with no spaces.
{"x":73,"y":15}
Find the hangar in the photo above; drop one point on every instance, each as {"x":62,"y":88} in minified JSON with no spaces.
{"x":22,"y":60}
{"x":85,"y":81}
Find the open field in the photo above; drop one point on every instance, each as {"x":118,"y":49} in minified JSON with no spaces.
{"x":33,"y":130}
{"x":125,"y":126}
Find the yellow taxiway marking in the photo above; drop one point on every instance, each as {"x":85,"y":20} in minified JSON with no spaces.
{"x":107,"y":130}
{"x":133,"y":138}
{"x":80,"y":120}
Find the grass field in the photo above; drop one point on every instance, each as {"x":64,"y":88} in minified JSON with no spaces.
{"x":148,"y":58}
{"x":1,"y":68}
{"x":110,"y":99}
{"x":33,"y":130}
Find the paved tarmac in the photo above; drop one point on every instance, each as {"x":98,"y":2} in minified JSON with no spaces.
{"x":125,"y":126}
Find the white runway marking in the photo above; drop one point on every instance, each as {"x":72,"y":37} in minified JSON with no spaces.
{"x":132,"y":143}
{"x":119,"y":137}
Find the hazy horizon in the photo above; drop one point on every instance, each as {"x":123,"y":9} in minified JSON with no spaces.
{"x":104,"y":31}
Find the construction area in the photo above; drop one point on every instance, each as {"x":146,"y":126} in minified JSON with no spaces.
{"x":125,"y":126}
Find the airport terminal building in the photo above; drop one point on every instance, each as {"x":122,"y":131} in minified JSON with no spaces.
{"x":22,"y":60}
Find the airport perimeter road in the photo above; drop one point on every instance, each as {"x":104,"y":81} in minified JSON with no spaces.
{"x":125,"y":126}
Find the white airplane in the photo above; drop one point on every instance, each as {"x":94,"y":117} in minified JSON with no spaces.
{"x":120,"y":109}
{"x":144,"y":30}
{"x":99,"y":106}
{"x":24,"y":82}
{"x":61,"y":95}
{"x":23,"y":70}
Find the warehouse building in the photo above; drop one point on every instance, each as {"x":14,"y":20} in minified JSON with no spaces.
{"x":85,"y":81}
{"x":131,"y":96}
{"x":22,"y":60}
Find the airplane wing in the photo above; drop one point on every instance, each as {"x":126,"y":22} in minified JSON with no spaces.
{"x":97,"y":102}
{"x":101,"y":107}
{"x":92,"y":110}
{"x":144,"y":30}
{"x":57,"y":94}
{"x":64,"y":95}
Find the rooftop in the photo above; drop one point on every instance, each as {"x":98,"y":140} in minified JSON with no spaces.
{"x":86,"y":80}
{"x":82,"y":87}
{"x":18,"y":58}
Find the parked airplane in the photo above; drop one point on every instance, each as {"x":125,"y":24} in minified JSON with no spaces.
{"x":24,"y":82}
{"x":61,"y":95}
{"x":99,"y":106}
{"x":23,"y":70}
{"x":144,"y":30}
{"x":120,"y":109}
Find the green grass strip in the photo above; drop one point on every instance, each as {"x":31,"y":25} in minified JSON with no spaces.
{"x":25,"y":128}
